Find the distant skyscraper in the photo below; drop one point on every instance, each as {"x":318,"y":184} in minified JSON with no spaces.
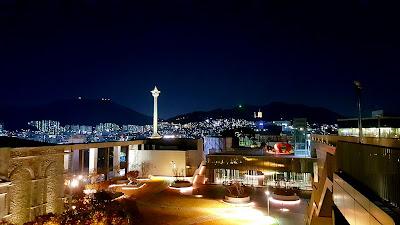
{"x":47,"y":126}
{"x":107,"y":127}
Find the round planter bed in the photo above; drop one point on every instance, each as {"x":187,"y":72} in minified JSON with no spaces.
{"x":181,"y":184}
{"x":237,"y":200}
{"x":285,"y":199}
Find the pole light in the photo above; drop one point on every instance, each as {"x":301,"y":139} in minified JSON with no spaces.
{"x":379,"y":125}
{"x":267,"y":193}
{"x":359,"y":88}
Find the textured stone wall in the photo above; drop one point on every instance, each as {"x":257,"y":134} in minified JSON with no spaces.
{"x":20,"y":195}
{"x":37,"y":184}
{"x":54,"y":188}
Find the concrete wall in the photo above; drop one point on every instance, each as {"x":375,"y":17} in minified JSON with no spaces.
{"x":160,"y":161}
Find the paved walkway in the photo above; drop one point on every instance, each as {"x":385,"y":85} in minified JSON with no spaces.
{"x":181,"y":215}
{"x":196,"y":220}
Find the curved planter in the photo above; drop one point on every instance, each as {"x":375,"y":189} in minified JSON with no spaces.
{"x":285,"y":197}
{"x":237,"y":200}
{"x":180,"y":185}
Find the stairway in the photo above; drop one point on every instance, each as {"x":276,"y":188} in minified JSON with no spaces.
{"x":199,"y":176}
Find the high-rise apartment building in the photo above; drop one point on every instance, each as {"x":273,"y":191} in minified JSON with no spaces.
{"x":47,"y":126}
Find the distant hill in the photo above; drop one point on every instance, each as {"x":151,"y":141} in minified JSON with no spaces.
{"x":76,"y":111}
{"x":272,"y":111}
{"x":12,"y":142}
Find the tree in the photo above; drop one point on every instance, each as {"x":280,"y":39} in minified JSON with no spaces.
{"x":146,"y":167}
{"x":236,"y":189}
{"x":132,"y":176}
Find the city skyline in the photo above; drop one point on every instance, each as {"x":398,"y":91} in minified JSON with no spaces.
{"x":202,"y":55}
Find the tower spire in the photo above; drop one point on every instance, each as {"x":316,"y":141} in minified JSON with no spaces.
{"x":155,"y":93}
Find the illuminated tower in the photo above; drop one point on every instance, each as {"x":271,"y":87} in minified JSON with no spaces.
{"x":155,"y":94}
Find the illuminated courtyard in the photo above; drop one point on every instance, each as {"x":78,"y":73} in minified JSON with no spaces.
{"x":159,"y":204}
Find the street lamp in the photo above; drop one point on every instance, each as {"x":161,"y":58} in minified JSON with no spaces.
{"x":267,"y":193}
{"x":379,"y":125}
{"x":359,"y":88}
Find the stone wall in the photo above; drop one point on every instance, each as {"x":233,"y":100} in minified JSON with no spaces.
{"x":36,"y":182}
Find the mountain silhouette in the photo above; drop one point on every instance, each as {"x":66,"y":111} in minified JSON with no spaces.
{"x":271,"y":112}
{"x":76,"y":111}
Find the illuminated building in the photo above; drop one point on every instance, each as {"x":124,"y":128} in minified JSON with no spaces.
{"x":254,"y":167}
{"x":285,"y":124}
{"x":386,"y":127}
{"x":107,"y":127}
{"x":47,"y":126}
{"x":257,"y":170}
{"x":258,"y":115}
{"x":217,"y":145}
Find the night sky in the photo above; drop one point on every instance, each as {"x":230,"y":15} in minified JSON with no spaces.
{"x":202,"y":55}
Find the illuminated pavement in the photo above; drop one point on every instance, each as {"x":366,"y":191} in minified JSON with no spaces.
{"x":160,"y":205}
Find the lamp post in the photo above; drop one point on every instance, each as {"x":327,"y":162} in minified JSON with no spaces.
{"x":379,"y":125}
{"x":267,"y":193}
{"x":359,"y":88}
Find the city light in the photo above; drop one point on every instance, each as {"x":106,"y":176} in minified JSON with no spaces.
{"x":74,"y":183}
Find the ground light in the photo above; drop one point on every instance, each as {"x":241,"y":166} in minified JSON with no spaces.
{"x":286,"y":202}
{"x":183,"y":190}
{"x":250,"y":214}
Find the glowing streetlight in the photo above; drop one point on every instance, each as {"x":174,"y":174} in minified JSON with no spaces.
{"x":74,"y":183}
{"x":268,"y":193}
